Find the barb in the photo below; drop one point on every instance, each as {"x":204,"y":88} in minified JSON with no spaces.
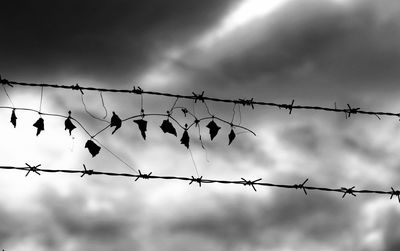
{"x":143,"y":176}
{"x":32,"y":169}
{"x":348,"y":191}
{"x":245,"y":182}
{"x":301,"y":186}
{"x":198,"y":97}
{"x":351,"y":110}
{"x":395,"y":193}
{"x":250,"y":183}
{"x":201,"y":97}
{"x":86,"y":171}
{"x":244,"y":102}
{"x":104,"y":106}
{"x":197,"y":180}
{"x":8,"y":96}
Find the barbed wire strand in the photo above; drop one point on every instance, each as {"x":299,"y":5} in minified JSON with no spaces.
{"x":245,"y":102}
{"x":200,"y":180}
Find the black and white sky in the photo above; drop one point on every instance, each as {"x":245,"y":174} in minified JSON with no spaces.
{"x":317,"y":52}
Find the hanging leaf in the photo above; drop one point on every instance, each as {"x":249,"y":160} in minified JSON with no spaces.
{"x":214,"y":128}
{"x":185,"y":139}
{"x":231,"y":136}
{"x":13,"y":118}
{"x":69,"y":126}
{"x":92,"y":147}
{"x":39,"y":124}
{"x":115,"y":121}
{"x":68,"y":123}
{"x":142,"y":127}
{"x":167,"y":127}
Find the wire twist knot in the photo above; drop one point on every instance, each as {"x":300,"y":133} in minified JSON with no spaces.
{"x":32,"y":169}
{"x":197,"y":180}
{"x":288,"y":106}
{"x":137,"y":90}
{"x":348,"y":191}
{"x":143,"y":176}
{"x":395,"y":193}
{"x":77,"y":88}
{"x":244,"y":102}
{"x":5,"y":82}
{"x":250,"y":183}
{"x":301,"y":186}
{"x":86,"y":171}
{"x":350,"y":111}
{"x":198,"y":97}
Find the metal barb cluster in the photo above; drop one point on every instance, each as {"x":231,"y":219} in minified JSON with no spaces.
{"x":143,"y":176}
{"x":301,"y":186}
{"x":348,"y":191}
{"x":86,"y":171}
{"x":251,"y":183}
{"x":197,"y":180}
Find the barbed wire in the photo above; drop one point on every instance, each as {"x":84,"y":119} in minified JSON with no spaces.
{"x":200,"y":180}
{"x":200,"y":97}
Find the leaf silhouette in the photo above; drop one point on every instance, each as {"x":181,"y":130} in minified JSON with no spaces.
{"x":214,"y":128}
{"x":13,"y":118}
{"x":185,"y":139}
{"x":115,"y":121}
{"x":68,"y":123}
{"x":231,"y":136}
{"x":39,"y":124}
{"x":92,"y":147}
{"x":142,"y":127}
{"x":167,"y":127}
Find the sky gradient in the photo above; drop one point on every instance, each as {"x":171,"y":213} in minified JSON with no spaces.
{"x":317,"y":52}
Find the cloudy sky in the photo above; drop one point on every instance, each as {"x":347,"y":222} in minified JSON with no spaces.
{"x":317,"y":52}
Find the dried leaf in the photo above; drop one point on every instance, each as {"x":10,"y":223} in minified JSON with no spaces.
{"x":13,"y":118}
{"x":142,"y":127}
{"x":167,"y":127}
{"x":92,"y":147}
{"x":185,"y":139}
{"x":115,"y":121}
{"x":39,"y":124}
{"x":69,"y":126}
{"x":231,"y":136}
{"x":214,"y":128}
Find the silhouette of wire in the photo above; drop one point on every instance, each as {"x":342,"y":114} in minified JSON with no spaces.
{"x":90,"y":114}
{"x":245,"y":102}
{"x":41,"y":100}
{"x":8,"y":96}
{"x":104,"y":106}
{"x":244,"y":182}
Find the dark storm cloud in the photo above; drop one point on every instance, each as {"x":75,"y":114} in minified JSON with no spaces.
{"x":392,"y":231}
{"x":310,"y":47}
{"x":342,"y":43}
{"x":67,"y":219}
{"x":237,"y":221}
{"x":104,"y":40}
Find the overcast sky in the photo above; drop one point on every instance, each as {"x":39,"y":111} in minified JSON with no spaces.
{"x":317,"y":52}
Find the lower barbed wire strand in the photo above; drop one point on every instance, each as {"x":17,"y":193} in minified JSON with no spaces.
{"x":342,"y":190}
